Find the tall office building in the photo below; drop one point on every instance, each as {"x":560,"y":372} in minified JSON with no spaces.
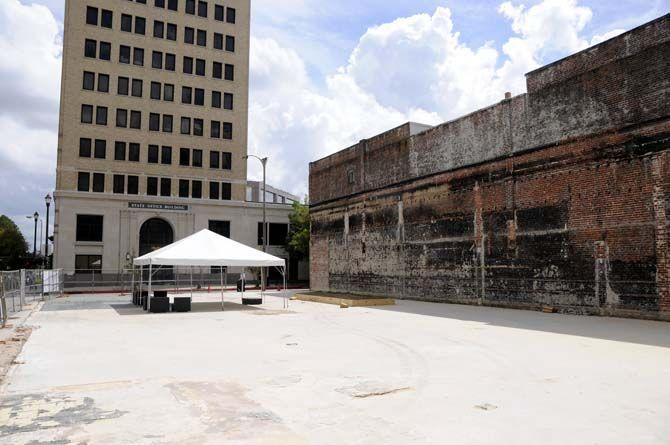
{"x":153,"y":129}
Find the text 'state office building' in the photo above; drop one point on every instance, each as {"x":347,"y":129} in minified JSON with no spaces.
{"x":153,"y":131}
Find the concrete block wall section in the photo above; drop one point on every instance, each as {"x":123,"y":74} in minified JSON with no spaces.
{"x":559,"y":198}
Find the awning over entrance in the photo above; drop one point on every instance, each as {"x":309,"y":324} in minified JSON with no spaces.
{"x":207,"y":248}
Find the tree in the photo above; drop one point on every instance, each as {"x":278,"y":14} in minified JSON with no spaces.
{"x":297,"y":242}
{"x":13,"y":246}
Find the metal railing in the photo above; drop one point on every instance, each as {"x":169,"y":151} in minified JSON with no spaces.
{"x":21,"y":287}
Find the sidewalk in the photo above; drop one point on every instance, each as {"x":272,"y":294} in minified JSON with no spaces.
{"x":13,"y":337}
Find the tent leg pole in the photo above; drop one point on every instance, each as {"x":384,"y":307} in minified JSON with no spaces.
{"x":132,"y":282}
{"x":141,"y":278}
{"x":285,"y":291}
{"x":223,"y":307}
{"x":149,"y":296}
{"x":191,"y":269}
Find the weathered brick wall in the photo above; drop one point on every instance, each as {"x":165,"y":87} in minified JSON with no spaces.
{"x":559,"y":198}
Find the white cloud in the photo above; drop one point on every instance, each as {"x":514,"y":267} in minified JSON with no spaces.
{"x":599,"y":38}
{"x":413,"y":68}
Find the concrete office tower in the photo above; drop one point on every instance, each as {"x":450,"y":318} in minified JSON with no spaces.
{"x":153,"y":129}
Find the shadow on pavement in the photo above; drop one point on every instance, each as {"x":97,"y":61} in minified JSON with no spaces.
{"x":652,"y":333}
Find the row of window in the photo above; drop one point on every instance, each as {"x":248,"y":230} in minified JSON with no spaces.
{"x":133,"y":119}
{"x":90,"y":148}
{"x":159,"y":60}
{"x":125,"y":87}
{"x":199,"y":8}
{"x":129,"y":185}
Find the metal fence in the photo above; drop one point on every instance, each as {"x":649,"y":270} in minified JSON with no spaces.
{"x":21,"y":287}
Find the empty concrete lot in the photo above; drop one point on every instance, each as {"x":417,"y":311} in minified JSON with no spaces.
{"x":98,"y":371}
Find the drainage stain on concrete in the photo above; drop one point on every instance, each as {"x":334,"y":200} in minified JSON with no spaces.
{"x":368,"y":389}
{"x":33,"y":412}
{"x":226,"y":411}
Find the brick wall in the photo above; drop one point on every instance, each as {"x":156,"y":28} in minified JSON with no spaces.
{"x":559,"y":198}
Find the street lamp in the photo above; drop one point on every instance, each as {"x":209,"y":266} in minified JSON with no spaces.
{"x":264,"y":161}
{"x":47,"y":200}
{"x":36,"y":216}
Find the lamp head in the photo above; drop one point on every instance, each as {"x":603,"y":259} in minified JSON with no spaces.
{"x":36,"y":216}
{"x":47,"y":199}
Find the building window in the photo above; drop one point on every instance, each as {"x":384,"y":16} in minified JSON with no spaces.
{"x":228,"y":101}
{"x":216,"y":99}
{"x":166,"y":187}
{"x":83,"y":182}
{"x":186,"y":95}
{"x":226,"y":191}
{"x":218,"y":13}
{"x":226,"y":160}
{"x":215,"y":129}
{"x":218,"y":41}
{"x":100,"y":149}
{"x":85,"y":145}
{"x":168,"y":92}
{"x":154,"y":122}
{"x":196,"y":189}
{"x":134,"y":152}
{"x":230,"y":72}
{"x":89,"y":81}
{"x":119,"y":184}
{"x":276,"y":236}
{"x":214,"y":159}
{"x":185,"y":125}
{"x":157,"y":60}
{"x":200,"y":67}
{"x":140,"y":25}
{"x":184,"y":157}
{"x":202,"y":37}
{"x":213,"y":190}
{"x":202,"y":8}
{"x":126,"y":23}
{"x":351,"y":179}
{"x":227,"y":130}
{"x":217,"y":70}
{"x":159,"y":29}
{"x":90,"y":48}
{"x":198,"y":127}
{"x":166,"y":155}
{"x":106,"y":19}
{"x":170,"y":62}
{"x":199,"y":97}
{"x":137,"y":88}
{"x":120,"y":151}
{"x":124,"y":54}
{"x":152,"y":186}
{"x":155,"y":92}
{"x":89,"y":228}
{"x":101,"y":115}
{"x":167,"y":123}
{"x":87,"y":114}
{"x":133,"y":185}
{"x":183,"y":188}
{"x":105,"y":51}
{"x":136,"y":120}
{"x":103,"y":83}
{"x":189,"y":35}
{"x":171,"y":32}
{"x":88,"y":264}
{"x":91,"y":16}
{"x":230,"y":44}
{"x":173,"y":5}
{"x":230,"y":15}
{"x":123,"y":86}
{"x":190,"y":7}
{"x":152,"y":154}
{"x":121,"y":118}
{"x":98,"y":183}
{"x":197,"y":158}
{"x":138,"y":56}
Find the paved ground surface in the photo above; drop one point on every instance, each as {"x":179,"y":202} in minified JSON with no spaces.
{"x":98,"y":371}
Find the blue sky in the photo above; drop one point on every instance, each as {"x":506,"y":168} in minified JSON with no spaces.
{"x":323,"y":74}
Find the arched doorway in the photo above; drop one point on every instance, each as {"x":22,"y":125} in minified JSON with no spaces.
{"x":155,"y":233}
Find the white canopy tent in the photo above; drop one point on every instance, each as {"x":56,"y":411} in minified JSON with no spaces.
{"x":209,"y":249}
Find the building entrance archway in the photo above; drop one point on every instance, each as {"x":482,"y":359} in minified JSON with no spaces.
{"x":155,"y":233}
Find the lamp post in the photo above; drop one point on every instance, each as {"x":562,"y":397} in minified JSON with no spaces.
{"x":264,"y":161}
{"x":47,"y":200}
{"x":35,"y":216}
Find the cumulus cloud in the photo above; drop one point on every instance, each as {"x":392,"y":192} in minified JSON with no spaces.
{"x":413,"y":68}
{"x":30,"y":69}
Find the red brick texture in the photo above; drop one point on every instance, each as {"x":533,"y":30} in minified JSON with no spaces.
{"x":559,"y":198}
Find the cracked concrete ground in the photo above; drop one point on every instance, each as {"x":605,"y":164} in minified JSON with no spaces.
{"x":99,"y":371}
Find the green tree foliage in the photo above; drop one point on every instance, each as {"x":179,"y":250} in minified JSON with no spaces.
{"x":297,"y":242}
{"x":13,"y":246}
